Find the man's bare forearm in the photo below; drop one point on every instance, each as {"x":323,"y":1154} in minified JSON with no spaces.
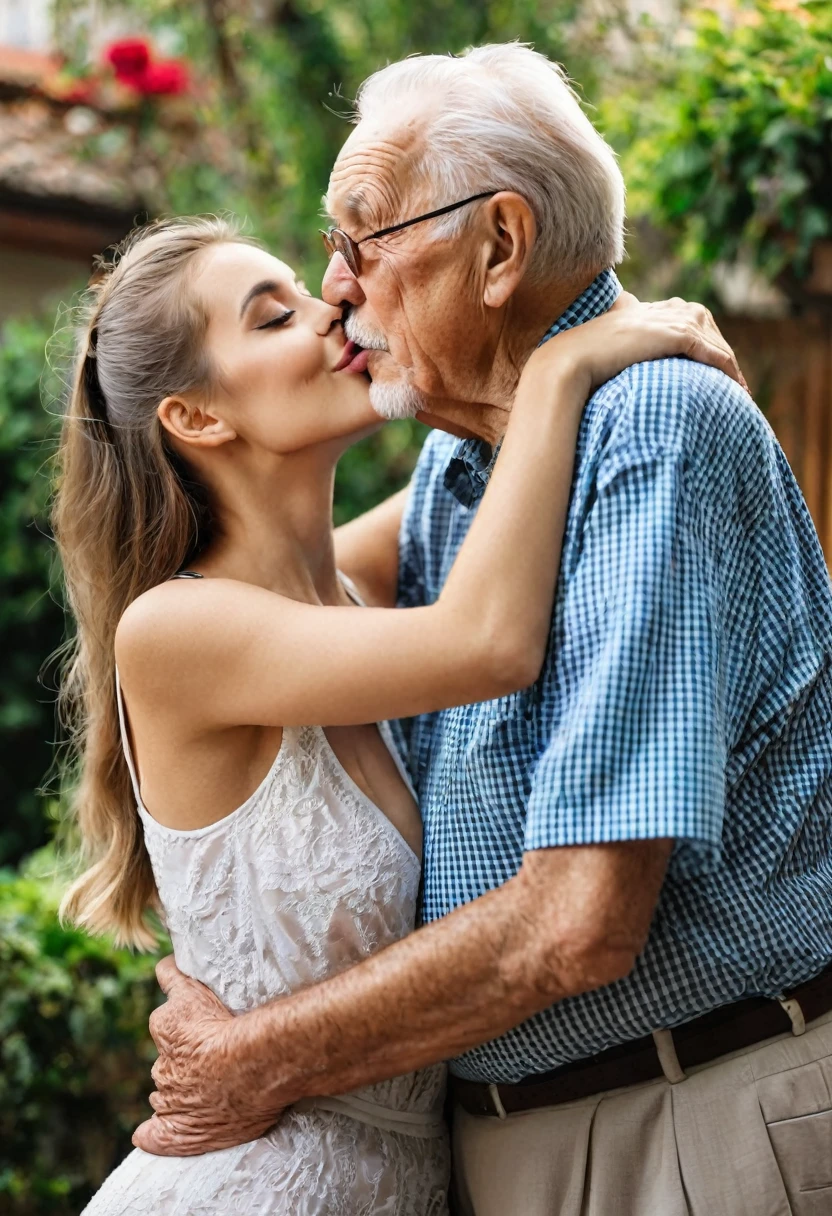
{"x":462,"y":980}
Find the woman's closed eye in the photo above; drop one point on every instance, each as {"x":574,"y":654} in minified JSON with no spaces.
{"x":280,"y":319}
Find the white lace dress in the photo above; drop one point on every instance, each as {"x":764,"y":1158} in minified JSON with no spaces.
{"x":303,"y":880}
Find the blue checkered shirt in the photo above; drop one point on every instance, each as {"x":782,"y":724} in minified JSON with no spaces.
{"x":687,"y":694}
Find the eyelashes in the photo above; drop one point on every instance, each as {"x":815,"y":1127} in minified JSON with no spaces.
{"x":281,"y":319}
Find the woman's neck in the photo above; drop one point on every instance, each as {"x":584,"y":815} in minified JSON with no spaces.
{"x":274,"y":525}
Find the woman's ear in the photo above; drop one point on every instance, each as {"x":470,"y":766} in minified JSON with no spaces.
{"x":192,"y":422}
{"x":511,"y":231}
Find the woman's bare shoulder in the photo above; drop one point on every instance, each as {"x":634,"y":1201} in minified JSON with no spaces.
{"x":183,"y":629}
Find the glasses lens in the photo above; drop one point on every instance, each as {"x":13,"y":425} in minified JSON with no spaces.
{"x":336,"y":241}
{"x":346,"y":247}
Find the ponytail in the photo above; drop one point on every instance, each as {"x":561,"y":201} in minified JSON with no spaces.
{"x":127,"y":516}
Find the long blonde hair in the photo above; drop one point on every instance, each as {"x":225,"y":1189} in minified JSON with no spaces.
{"x":127,"y":516}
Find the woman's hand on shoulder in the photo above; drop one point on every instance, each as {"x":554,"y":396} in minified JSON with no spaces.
{"x":633,"y":332}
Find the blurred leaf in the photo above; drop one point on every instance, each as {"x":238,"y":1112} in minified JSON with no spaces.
{"x":74,"y":1047}
{"x":726,"y":135}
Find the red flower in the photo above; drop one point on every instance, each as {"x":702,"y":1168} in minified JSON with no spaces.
{"x":132,"y":61}
{"x":130,"y":58}
{"x":167,"y":77}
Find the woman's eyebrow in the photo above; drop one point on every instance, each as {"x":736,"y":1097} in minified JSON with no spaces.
{"x":266,"y":287}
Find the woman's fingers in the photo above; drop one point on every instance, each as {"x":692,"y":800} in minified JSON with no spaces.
{"x":633,"y":332}
{"x":703,"y":340}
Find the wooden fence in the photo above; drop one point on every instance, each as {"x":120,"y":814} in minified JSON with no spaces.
{"x":788,"y":365}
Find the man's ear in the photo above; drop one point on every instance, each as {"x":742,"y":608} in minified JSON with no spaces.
{"x":511,"y":232}
{"x":192,"y":422}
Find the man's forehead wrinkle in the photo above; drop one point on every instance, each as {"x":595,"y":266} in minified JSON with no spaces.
{"x":367,"y":182}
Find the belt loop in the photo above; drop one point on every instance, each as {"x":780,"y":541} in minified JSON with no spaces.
{"x":666,"y":1051}
{"x":494,"y":1094}
{"x":795,"y":1014}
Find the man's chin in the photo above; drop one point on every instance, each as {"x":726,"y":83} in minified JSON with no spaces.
{"x":394,"y":401}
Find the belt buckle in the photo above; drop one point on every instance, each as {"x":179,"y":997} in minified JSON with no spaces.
{"x":496,"y":1101}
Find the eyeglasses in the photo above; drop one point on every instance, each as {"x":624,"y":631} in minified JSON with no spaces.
{"x":338,"y":241}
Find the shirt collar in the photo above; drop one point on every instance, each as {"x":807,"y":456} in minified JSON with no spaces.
{"x":470,"y":466}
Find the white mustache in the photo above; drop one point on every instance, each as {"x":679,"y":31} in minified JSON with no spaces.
{"x":360,"y":333}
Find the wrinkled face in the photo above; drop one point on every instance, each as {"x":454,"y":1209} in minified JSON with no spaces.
{"x":283,"y":376}
{"x":417,"y":298}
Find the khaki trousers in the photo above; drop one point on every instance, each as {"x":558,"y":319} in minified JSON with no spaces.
{"x":748,"y":1135}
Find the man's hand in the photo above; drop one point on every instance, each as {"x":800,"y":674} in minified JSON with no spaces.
{"x":573,"y":919}
{"x":204,"y":1099}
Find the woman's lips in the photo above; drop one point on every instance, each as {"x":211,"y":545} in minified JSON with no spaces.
{"x":354,"y":358}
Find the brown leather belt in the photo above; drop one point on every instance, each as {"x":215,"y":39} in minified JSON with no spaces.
{"x":706,"y":1038}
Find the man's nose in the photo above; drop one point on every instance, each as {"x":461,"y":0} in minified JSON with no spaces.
{"x":340,"y":285}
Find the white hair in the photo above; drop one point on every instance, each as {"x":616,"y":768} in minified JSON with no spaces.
{"x":504,"y":117}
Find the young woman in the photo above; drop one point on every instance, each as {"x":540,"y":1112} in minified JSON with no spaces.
{"x":226,"y":682}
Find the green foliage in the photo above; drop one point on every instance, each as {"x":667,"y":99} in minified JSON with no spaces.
{"x":31,"y":622}
{"x":376,"y":468}
{"x":75,"y":1054}
{"x":727,"y":140}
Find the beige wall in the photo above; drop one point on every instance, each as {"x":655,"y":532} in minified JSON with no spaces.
{"x":32,"y":281}
{"x":26,"y":24}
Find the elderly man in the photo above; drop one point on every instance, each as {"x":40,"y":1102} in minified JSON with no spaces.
{"x":628,"y":867}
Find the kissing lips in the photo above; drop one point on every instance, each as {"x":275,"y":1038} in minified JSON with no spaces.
{"x":354,"y":358}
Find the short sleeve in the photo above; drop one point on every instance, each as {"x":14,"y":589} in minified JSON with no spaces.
{"x":638,"y":750}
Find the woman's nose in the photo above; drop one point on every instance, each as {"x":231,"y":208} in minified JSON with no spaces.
{"x":329,"y":318}
{"x":340,"y":286}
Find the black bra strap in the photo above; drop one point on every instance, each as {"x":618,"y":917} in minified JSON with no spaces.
{"x":187,"y":574}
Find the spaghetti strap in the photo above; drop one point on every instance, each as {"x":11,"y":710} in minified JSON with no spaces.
{"x":122,"y":716}
{"x":350,"y":588}
{"x":125,"y":743}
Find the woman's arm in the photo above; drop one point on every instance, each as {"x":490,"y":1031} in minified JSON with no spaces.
{"x":239,"y":654}
{"x":250,"y":656}
{"x":367,"y":550}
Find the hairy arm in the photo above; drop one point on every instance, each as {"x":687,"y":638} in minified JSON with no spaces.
{"x":573,"y":919}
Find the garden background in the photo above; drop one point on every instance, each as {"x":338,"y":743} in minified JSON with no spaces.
{"x":112,"y":111}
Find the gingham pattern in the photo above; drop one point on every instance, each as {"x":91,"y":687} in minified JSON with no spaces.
{"x":687,"y":694}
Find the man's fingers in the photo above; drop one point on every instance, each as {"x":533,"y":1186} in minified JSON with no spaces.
{"x":167,"y":974}
{"x":184,"y":1137}
{"x":177,"y":1105}
{"x":159,"y":1073}
{"x":172,"y":1138}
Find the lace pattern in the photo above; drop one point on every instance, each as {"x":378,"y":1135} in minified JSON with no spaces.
{"x":303,"y":880}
